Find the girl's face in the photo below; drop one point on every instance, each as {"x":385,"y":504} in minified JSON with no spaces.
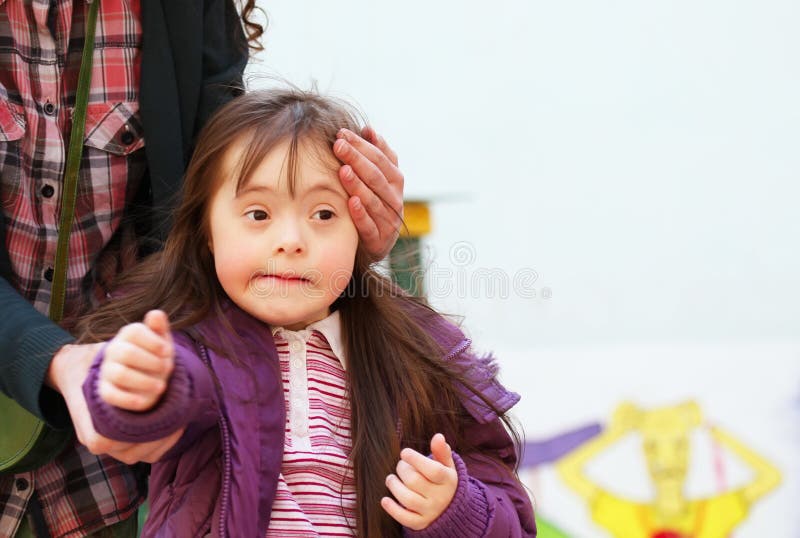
{"x":283,"y":259}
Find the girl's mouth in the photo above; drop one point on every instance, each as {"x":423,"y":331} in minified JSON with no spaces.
{"x":288,"y":278}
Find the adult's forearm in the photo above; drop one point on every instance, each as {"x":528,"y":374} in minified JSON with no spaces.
{"x":28,"y":341}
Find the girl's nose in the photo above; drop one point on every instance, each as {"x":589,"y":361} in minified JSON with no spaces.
{"x":290,"y":240}
{"x":290,"y":248}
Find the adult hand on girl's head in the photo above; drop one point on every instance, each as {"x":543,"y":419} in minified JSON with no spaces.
{"x":375,"y":185}
{"x":137,"y":364}
{"x":422,"y":486}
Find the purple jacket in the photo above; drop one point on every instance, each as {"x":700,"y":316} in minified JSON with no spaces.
{"x":221,"y":476}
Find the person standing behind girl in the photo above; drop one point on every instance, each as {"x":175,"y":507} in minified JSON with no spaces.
{"x":310,"y":388}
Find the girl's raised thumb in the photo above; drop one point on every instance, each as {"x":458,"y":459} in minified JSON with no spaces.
{"x":441,"y":451}
{"x":158,"y":322}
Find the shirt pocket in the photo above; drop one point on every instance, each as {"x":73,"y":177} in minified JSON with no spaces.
{"x":114,"y":128}
{"x":112,"y":164}
{"x":12,"y":131}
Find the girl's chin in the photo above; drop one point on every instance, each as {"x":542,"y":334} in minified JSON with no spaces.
{"x":292,"y":323}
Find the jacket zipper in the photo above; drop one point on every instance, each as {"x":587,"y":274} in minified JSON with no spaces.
{"x":460,"y":348}
{"x":226,"y":457}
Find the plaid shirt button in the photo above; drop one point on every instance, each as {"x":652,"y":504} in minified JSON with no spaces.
{"x":48,"y":274}
{"x":22,"y":484}
{"x":49,"y":108}
{"x":48,"y":191}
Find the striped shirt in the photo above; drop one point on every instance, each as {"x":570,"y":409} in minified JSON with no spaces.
{"x":40,"y":55}
{"x":316,"y":493}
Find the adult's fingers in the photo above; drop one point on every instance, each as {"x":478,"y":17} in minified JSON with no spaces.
{"x":149,"y":452}
{"x":372,"y":166}
{"x":371,"y":135}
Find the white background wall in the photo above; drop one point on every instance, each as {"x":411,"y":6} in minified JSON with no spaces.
{"x":639,"y":157}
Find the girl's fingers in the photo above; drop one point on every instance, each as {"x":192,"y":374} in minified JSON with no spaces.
{"x":441,"y":451}
{"x":405,"y":517}
{"x":123,"y":399}
{"x":128,"y":379}
{"x":136,"y":358}
{"x":158,"y":322}
{"x":144,"y":337}
{"x":412,"y":479}
{"x":431,"y":470}
{"x":410,"y":500}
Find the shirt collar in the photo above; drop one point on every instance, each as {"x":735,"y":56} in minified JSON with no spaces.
{"x":330,"y":328}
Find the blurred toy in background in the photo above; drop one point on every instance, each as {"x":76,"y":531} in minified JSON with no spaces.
{"x":666,"y":444}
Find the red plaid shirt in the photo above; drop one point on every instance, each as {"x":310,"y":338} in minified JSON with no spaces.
{"x":41,"y":42}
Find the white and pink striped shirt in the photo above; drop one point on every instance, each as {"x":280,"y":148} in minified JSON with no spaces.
{"x":316,"y":493}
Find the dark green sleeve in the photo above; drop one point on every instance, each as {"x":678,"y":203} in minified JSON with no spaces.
{"x":28,"y":341}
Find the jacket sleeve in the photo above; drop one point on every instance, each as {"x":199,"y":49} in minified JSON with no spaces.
{"x":490,"y":501}
{"x":225,"y":55}
{"x":190,"y":399}
{"x":28,"y":341}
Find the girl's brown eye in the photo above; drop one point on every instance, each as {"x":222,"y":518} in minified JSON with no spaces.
{"x":257,"y":214}
{"x":324,"y":214}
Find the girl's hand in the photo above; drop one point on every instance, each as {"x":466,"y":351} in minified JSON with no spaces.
{"x":370,"y":176}
{"x":423,"y":486}
{"x":137,"y":364}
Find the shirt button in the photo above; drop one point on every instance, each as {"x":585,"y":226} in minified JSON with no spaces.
{"x":296,"y":346}
{"x":22,"y":484}
{"x":49,"y":108}
{"x":297,"y":363}
{"x":127,"y":138}
{"x":48,"y":191}
{"x":48,"y":274}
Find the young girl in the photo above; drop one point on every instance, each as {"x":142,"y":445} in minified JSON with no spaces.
{"x":308,"y":387}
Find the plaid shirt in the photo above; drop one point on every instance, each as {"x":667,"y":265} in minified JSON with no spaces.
{"x":41,"y":42}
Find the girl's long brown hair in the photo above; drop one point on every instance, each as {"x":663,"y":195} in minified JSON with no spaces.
{"x":401,"y":388}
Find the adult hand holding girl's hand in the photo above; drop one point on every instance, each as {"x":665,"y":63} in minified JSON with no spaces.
{"x":370,"y":176}
{"x":422,"y":486}
{"x":137,"y":364}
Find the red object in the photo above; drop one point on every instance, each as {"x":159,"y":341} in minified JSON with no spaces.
{"x":668,"y":534}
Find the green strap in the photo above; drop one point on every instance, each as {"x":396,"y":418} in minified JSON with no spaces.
{"x":70,"y":188}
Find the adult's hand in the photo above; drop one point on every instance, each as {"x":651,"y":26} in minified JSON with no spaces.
{"x":67,"y":372}
{"x":370,"y":176}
